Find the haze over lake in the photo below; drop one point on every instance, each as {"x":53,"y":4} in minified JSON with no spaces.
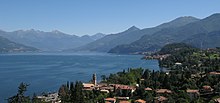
{"x":46,"y":72}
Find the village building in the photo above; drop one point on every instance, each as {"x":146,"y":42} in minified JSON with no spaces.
{"x":214,"y":73}
{"x":51,"y":97}
{"x":124,"y":101}
{"x":124,"y":87}
{"x":206,"y":88}
{"x":88,"y":86}
{"x":217,"y":100}
{"x":139,"y":101}
{"x":193,"y":94}
{"x":110,"y":100}
{"x":163,"y":91}
{"x":148,"y":89}
{"x":104,"y":91}
{"x":161,"y":99}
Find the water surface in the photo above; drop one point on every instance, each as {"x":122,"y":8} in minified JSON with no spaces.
{"x":45,"y":72}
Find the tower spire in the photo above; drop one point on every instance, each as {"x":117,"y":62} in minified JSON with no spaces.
{"x":94,"y":79}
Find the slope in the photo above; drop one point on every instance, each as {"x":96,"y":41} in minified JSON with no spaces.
{"x":170,"y":35}
{"x":132,"y":34}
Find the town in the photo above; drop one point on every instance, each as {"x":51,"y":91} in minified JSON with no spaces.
{"x":192,"y":76}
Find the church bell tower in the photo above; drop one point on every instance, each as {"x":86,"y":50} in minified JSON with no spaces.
{"x":94,"y":79}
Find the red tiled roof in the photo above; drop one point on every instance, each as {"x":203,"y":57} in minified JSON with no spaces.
{"x":140,"y":101}
{"x":124,"y":101}
{"x":206,"y":87}
{"x":217,"y":100}
{"x":214,"y":73}
{"x":110,"y":99}
{"x":161,"y":98}
{"x":119,"y":86}
{"x":163,"y":91}
{"x":192,"y":91}
{"x":87,"y":85}
{"x":148,"y":89}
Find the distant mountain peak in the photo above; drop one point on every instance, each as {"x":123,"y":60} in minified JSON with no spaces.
{"x":131,"y":29}
{"x":56,"y":31}
{"x":97,"y":36}
{"x":214,"y":16}
{"x":186,"y":18}
{"x":180,"y":21}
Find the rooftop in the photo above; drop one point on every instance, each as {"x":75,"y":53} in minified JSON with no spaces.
{"x":124,"y":101}
{"x":192,"y":91}
{"x":163,"y":91}
{"x":161,"y":98}
{"x":148,"y":89}
{"x":110,"y":99}
{"x":140,"y":101}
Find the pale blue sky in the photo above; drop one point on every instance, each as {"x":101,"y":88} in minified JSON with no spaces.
{"x":81,"y":17}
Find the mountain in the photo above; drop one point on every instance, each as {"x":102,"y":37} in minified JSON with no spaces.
{"x":48,"y":41}
{"x":107,"y":42}
{"x":205,"y":40}
{"x":130,"y":35}
{"x":171,"y":35}
{"x":175,"y":47}
{"x":97,"y":36}
{"x":9,"y":46}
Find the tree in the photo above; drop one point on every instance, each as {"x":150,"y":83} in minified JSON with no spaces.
{"x":35,"y":99}
{"x":20,"y":97}
{"x":64,"y":93}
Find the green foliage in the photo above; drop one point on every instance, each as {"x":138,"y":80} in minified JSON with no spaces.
{"x":128,"y":78}
{"x":20,"y":97}
{"x":176,"y":47}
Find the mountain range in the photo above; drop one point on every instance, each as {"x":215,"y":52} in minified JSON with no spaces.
{"x":204,"y":31}
{"x":49,"y":41}
{"x":9,"y":46}
{"x":130,"y":35}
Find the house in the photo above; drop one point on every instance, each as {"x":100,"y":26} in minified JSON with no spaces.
{"x":123,"y":89}
{"x":179,"y":64}
{"x":207,"y":88}
{"x":148,"y":89}
{"x":160,"y":99}
{"x":217,"y":100}
{"x":104,"y":91}
{"x":214,"y":73}
{"x":124,"y":101}
{"x":193,"y":94}
{"x":163,"y":91}
{"x":206,"y":91}
{"x":110,"y":100}
{"x":51,"y":97}
{"x":88,"y":86}
{"x":139,"y":101}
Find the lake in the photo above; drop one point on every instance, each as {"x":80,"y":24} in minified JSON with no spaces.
{"x":46,"y":72}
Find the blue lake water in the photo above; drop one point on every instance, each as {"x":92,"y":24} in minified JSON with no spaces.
{"x":46,"y":72}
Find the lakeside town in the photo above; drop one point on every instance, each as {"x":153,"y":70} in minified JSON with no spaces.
{"x":192,"y":79}
{"x":105,"y":88}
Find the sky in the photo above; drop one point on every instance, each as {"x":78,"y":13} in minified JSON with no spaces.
{"x":88,"y":17}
